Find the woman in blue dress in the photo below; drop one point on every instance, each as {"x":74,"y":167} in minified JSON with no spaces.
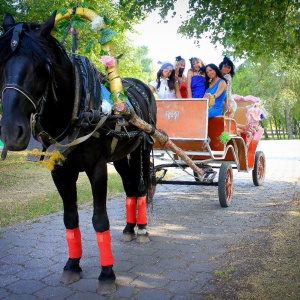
{"x":216,"y":89}
{"x":195,"y":84}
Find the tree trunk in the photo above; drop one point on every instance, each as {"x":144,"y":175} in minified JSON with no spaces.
{"x":265,"y":131}
{"x":271,"y":127}
{"x":277,"y":130}
{"x":288,"y":124}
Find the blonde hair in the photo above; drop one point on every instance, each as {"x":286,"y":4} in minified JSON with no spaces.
{"x":194,"y":60}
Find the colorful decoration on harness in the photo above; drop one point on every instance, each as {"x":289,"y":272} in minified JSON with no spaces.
{"x":54,"y":158}
{"x":118,"y":94}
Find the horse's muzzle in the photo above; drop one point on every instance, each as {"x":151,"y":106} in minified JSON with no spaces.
{"x":15,"y":137}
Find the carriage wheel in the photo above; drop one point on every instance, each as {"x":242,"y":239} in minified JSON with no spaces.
{"x":259,"y":170}
{"x":225,"y":184}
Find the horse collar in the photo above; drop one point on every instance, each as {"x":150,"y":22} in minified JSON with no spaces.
{"x":15,"y":38}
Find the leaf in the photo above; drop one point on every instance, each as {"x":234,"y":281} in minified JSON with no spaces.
{"x":106,"y":35}
{"x":62,"y":11}
{"x":84,"y":4}
{"x":103,"y":52}
{"x":89,"y":46}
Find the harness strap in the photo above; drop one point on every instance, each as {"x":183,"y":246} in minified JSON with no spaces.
{"x":19,"y":89}
{"x":115,"y":140}
{"x":49,"y":139}
{"x":15,"y":38}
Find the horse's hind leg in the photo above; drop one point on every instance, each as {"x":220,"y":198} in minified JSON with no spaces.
{"x":136,"y":212}
{"x":65,"y":182}
{"x":128,"y":232}
{"x":142,"y":233}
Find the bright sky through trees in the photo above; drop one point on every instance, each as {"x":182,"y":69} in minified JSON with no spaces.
{"x":165,"y":43}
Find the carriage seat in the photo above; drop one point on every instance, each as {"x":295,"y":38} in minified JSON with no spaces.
{"x":240,"y":114}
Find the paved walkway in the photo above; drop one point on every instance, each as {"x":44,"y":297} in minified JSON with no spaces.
{"x":188,"y":228}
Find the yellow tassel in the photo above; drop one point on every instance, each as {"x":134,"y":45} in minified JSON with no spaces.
{"x":53,"y":157}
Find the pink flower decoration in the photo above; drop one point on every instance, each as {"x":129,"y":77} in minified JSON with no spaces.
{"x":108,"y":61}
{"x":72,"y":30}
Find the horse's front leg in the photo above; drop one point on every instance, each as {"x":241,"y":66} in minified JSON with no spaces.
{"x":65,"y":181}
{"x":98,"y":178}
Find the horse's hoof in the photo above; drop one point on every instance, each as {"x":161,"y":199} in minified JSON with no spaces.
{"x":128,"y":237}
{"x":106,"y":287}
{"x":68,"y":277}
{"x":142,"y":236}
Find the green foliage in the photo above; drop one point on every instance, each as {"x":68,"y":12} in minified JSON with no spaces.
{"x":249,"y":29}
{"x":133,"y":62}
{"x":276,"y":84}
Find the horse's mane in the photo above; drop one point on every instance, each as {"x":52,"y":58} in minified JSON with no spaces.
{"x":39,"y":50}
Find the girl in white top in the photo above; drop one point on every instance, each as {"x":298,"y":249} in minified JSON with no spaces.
{"x":165,"y":85}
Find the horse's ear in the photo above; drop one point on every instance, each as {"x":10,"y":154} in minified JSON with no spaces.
{"x":47,"y":27}
{"x":8,"y":21}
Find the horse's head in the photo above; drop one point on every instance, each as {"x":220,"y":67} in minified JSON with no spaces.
{"x":26,"y":76}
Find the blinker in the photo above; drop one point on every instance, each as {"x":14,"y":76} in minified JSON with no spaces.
{"x":15,"y":38}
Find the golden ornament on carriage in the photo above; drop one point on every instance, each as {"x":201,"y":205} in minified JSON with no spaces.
{"x":113,"y":74}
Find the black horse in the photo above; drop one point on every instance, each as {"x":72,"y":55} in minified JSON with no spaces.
{"x":41,"y":94}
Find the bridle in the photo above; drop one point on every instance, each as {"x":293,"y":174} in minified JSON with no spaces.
{"x":37,"y":104}
{"x":13,"y":86}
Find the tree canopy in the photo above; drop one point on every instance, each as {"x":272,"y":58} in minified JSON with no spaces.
{"x":246,"y":28}
{"x":133,"y":59}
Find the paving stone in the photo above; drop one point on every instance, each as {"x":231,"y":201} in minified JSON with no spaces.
{"x":3,"y":293}
{"x":188,"y":231}
{"x":7,"y":279}
{"x":55,"y":293}
{"x":21,"y":297}
{"x":25,"y":286}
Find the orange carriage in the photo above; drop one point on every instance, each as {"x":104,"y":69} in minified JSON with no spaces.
{"x":188,"y":127}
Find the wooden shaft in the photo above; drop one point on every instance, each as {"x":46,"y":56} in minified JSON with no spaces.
{"x":165,"y":142}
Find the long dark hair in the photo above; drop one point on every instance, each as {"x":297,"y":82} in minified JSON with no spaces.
{"x":171,"y":81}
{"x":228,"y":62}
{"x":218,"y":72}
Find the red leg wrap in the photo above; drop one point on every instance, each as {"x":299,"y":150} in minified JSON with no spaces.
{"x":104,"y":244}
{"x":131,"y":210}
{"x":142,"y":211}
{"x":73,"y":237}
